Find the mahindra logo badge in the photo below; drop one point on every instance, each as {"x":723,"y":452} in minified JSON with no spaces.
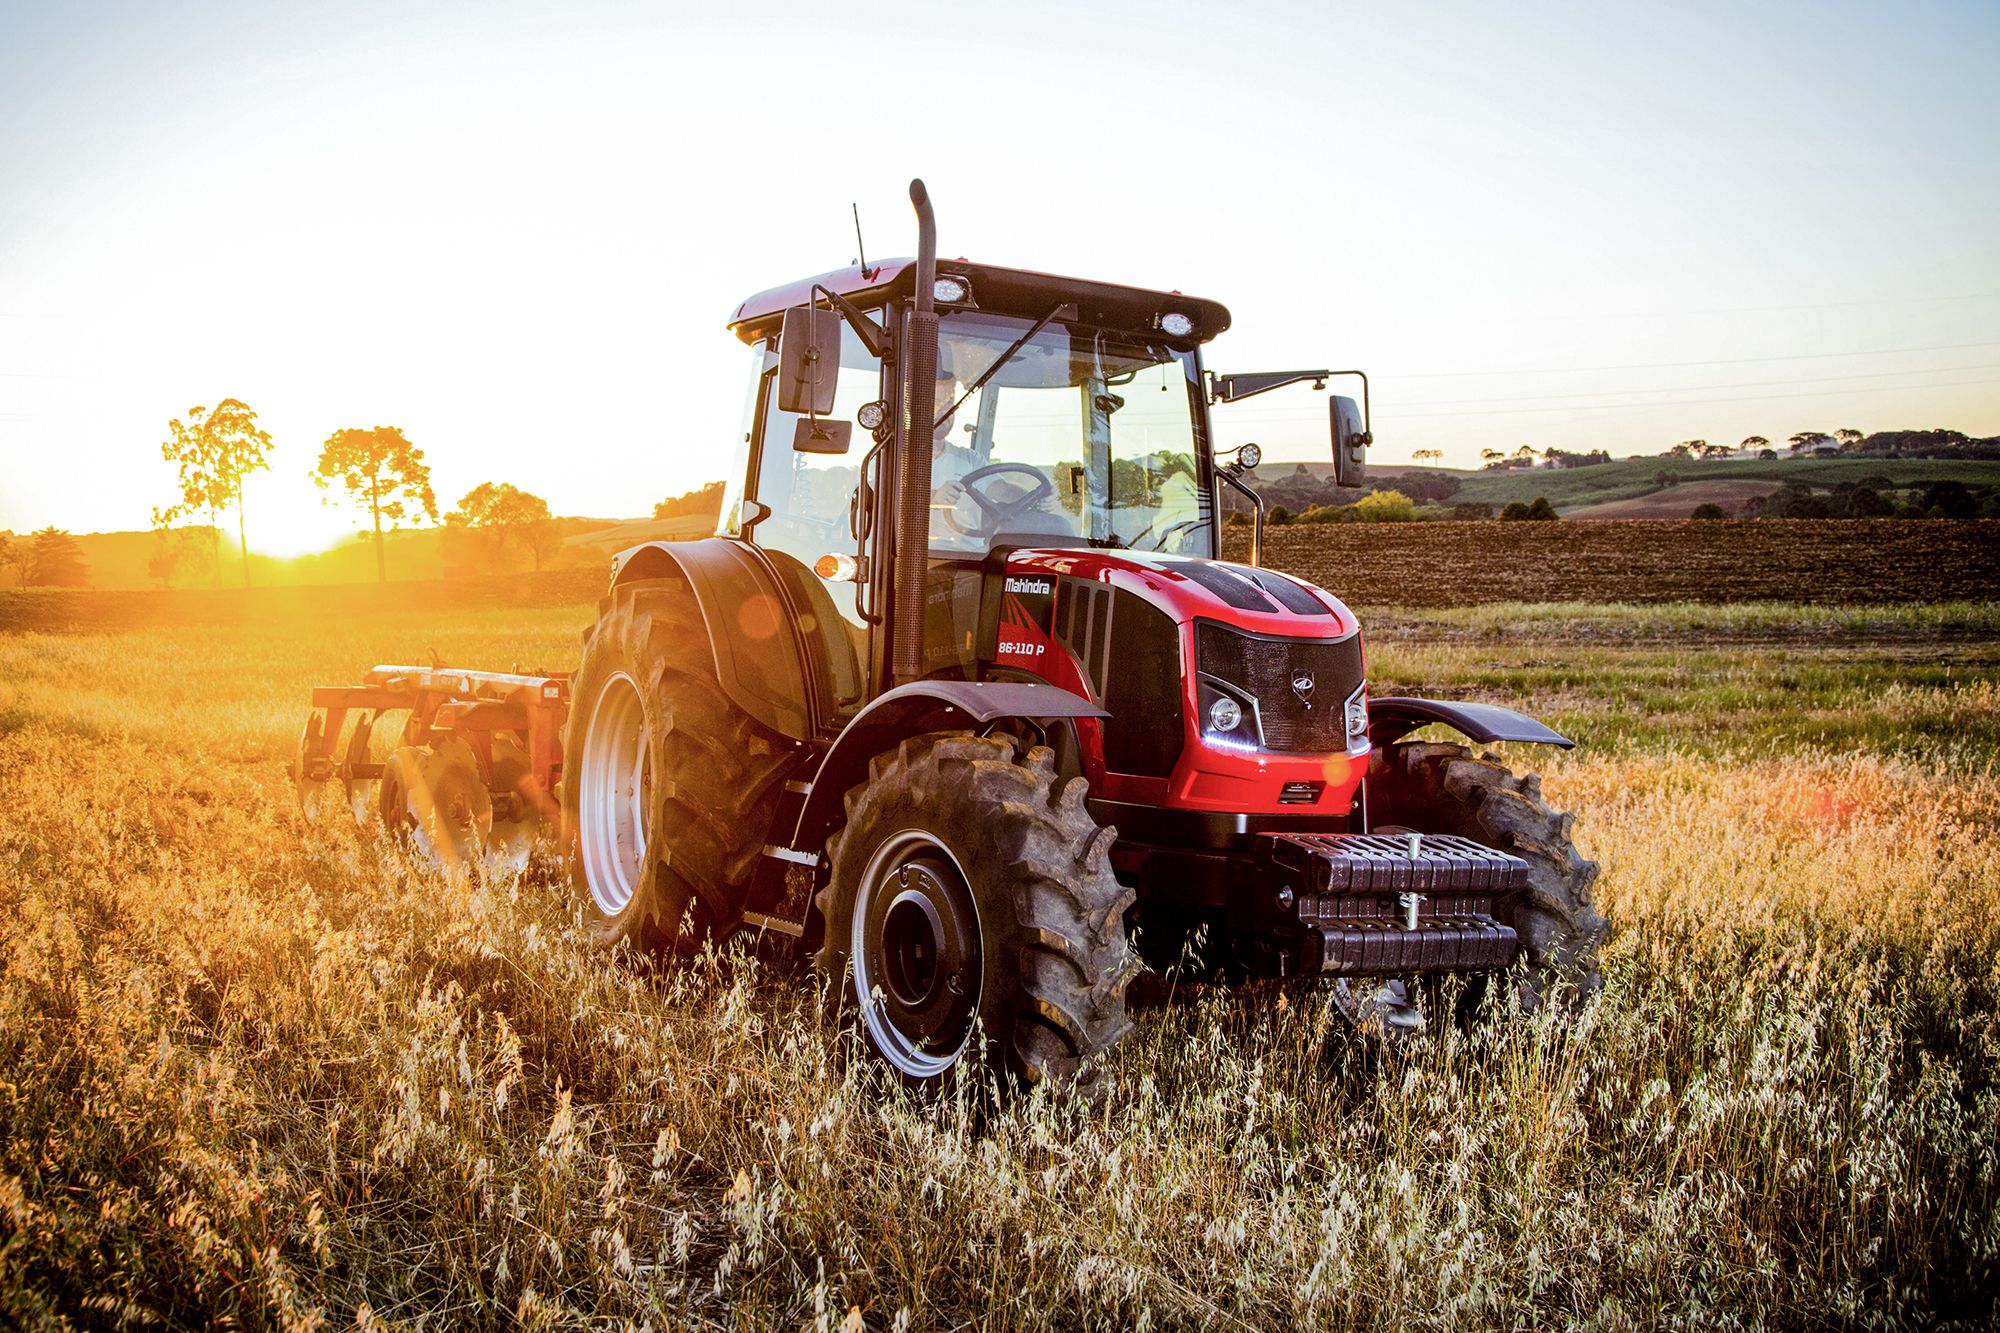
{"x":1302,"y":685}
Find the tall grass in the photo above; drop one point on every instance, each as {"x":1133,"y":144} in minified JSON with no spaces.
{"x":254,"y":1073}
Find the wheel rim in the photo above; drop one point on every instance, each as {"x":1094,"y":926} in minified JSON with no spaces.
{"x":916,"y":954}
{"x":614,"y":786}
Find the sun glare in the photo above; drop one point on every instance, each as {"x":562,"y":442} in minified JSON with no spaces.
{"x":287,"y":518}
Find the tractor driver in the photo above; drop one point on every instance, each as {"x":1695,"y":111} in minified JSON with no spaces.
{"x":949,"y":462}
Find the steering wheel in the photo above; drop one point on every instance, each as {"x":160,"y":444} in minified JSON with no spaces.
{"x":998,"y":513}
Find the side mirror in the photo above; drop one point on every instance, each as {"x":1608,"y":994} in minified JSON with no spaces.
{"x":808,"y":360}
{"x":1350,"y":439}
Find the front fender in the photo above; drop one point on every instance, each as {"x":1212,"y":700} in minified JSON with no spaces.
{"x":1389,"y":720}
{"x":911,"y":710}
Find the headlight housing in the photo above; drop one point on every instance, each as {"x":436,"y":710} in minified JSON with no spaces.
{"x":1228,"y":716}
{"x":1357,"y":718}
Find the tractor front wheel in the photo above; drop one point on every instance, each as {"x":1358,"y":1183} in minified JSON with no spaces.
{"x":1444,"y":788}
{"x":971,"y":893}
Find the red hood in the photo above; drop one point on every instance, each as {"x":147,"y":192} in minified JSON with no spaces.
{"x":1262,"y":601}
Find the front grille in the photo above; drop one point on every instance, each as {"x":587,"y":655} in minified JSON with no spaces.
{"x":1300,"y":686}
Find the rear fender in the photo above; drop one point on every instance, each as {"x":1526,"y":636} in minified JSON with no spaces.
{"x":759,"y":660}
{"x":912,"y":710}
{"x":1389,"y":720}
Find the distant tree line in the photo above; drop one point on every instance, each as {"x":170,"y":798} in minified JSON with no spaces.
{"x":704,"y":501}
{"x":46,"y":559}
{"x":375,"y":471}
{"x":1872,"y":497}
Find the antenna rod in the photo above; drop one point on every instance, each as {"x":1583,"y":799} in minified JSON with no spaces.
{"x":860,"y":250}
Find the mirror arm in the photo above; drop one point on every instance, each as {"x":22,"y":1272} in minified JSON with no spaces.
{"x":1228,"y":474}
{"x":1367,"y":417}
{"x":872,"y":335}
{"x":1235,"y":388}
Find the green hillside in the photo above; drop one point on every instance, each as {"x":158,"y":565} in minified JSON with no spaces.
{"x":1629,"y":478}
{"x":1570,"y":488}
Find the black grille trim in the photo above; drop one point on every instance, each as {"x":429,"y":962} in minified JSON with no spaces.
{"x":1131,"y":654}
{"x":1264,"y":666}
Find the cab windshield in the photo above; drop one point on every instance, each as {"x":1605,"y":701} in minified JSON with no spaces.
{"x":1079,"y":436}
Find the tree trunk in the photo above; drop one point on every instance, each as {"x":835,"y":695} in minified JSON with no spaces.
{"x":242,"y":539}
{"x":215,"y":545}
{"x":375,"y":508}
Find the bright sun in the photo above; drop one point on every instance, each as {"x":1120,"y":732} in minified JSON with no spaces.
{"x":287,"y":518}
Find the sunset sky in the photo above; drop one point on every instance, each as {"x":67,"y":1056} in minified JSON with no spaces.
{"x":514,"y":231}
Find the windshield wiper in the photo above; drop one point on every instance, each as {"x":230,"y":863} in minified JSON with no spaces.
{"x":994,"y":369}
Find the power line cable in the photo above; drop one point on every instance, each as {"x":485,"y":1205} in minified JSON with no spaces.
{"x":1690,"y":402}
{"x":1674,"y":365}
{"x":1557,"y":399}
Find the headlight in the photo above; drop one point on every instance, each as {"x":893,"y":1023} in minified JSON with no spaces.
{"x":1176,"y":325}
{"x":1357,"y":717}
{"x":1250,"y":456}
{"x":1224,"y":714}
{"x":949,"y":289}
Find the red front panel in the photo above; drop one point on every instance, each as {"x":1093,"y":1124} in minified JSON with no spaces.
{"x":1210,"y":774}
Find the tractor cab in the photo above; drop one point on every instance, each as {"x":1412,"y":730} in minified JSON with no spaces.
{"x":1064,"y":414}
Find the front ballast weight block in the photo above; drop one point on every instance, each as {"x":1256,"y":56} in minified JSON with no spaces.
{"x":1380,"y":904}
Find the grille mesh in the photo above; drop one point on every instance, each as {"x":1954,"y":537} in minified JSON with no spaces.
{"x":1294,"y":721}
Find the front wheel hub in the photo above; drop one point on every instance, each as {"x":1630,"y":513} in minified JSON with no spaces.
{"x":916,"y":954}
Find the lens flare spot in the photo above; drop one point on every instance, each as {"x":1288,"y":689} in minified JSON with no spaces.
{"x":758,"y":617}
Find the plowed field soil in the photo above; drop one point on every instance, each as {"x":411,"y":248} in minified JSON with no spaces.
{"x":1723,"y":560}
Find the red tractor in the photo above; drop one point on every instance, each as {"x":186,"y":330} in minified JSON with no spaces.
{"x":970,"y":704}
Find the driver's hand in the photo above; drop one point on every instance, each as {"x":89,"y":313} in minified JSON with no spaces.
{"x":949,"y":493}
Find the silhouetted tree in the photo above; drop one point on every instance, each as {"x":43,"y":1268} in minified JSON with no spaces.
{"x":1753,"y":443}
{"x":1709,"y":509}
{"x":1867,"y":502}
{"x":384,"y":475}
{"x":509,"y":514}
{"x":1807,"y":440}
{"x":1425,"y":455}
{"x":216,"y":448}
{"x":1848,"y":437}
{"x":1949,"y":499}
{"x":179,"y":553}
{"x":56,"y":561}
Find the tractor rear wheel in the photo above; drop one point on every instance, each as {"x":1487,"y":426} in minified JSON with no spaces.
{"x":668,"y":789}
{"x":970,"y":891}
{"x":1444,"y":788}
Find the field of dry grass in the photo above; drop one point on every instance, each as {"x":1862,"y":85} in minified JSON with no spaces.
{"x":254,"y":1076}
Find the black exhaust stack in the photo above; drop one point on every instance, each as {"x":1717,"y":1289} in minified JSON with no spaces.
{"x":913,"y":495}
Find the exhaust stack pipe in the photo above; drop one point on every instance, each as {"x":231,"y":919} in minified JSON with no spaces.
{"x":913,"y":495}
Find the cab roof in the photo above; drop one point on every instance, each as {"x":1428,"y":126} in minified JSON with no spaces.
{"x":1008,"y":291}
